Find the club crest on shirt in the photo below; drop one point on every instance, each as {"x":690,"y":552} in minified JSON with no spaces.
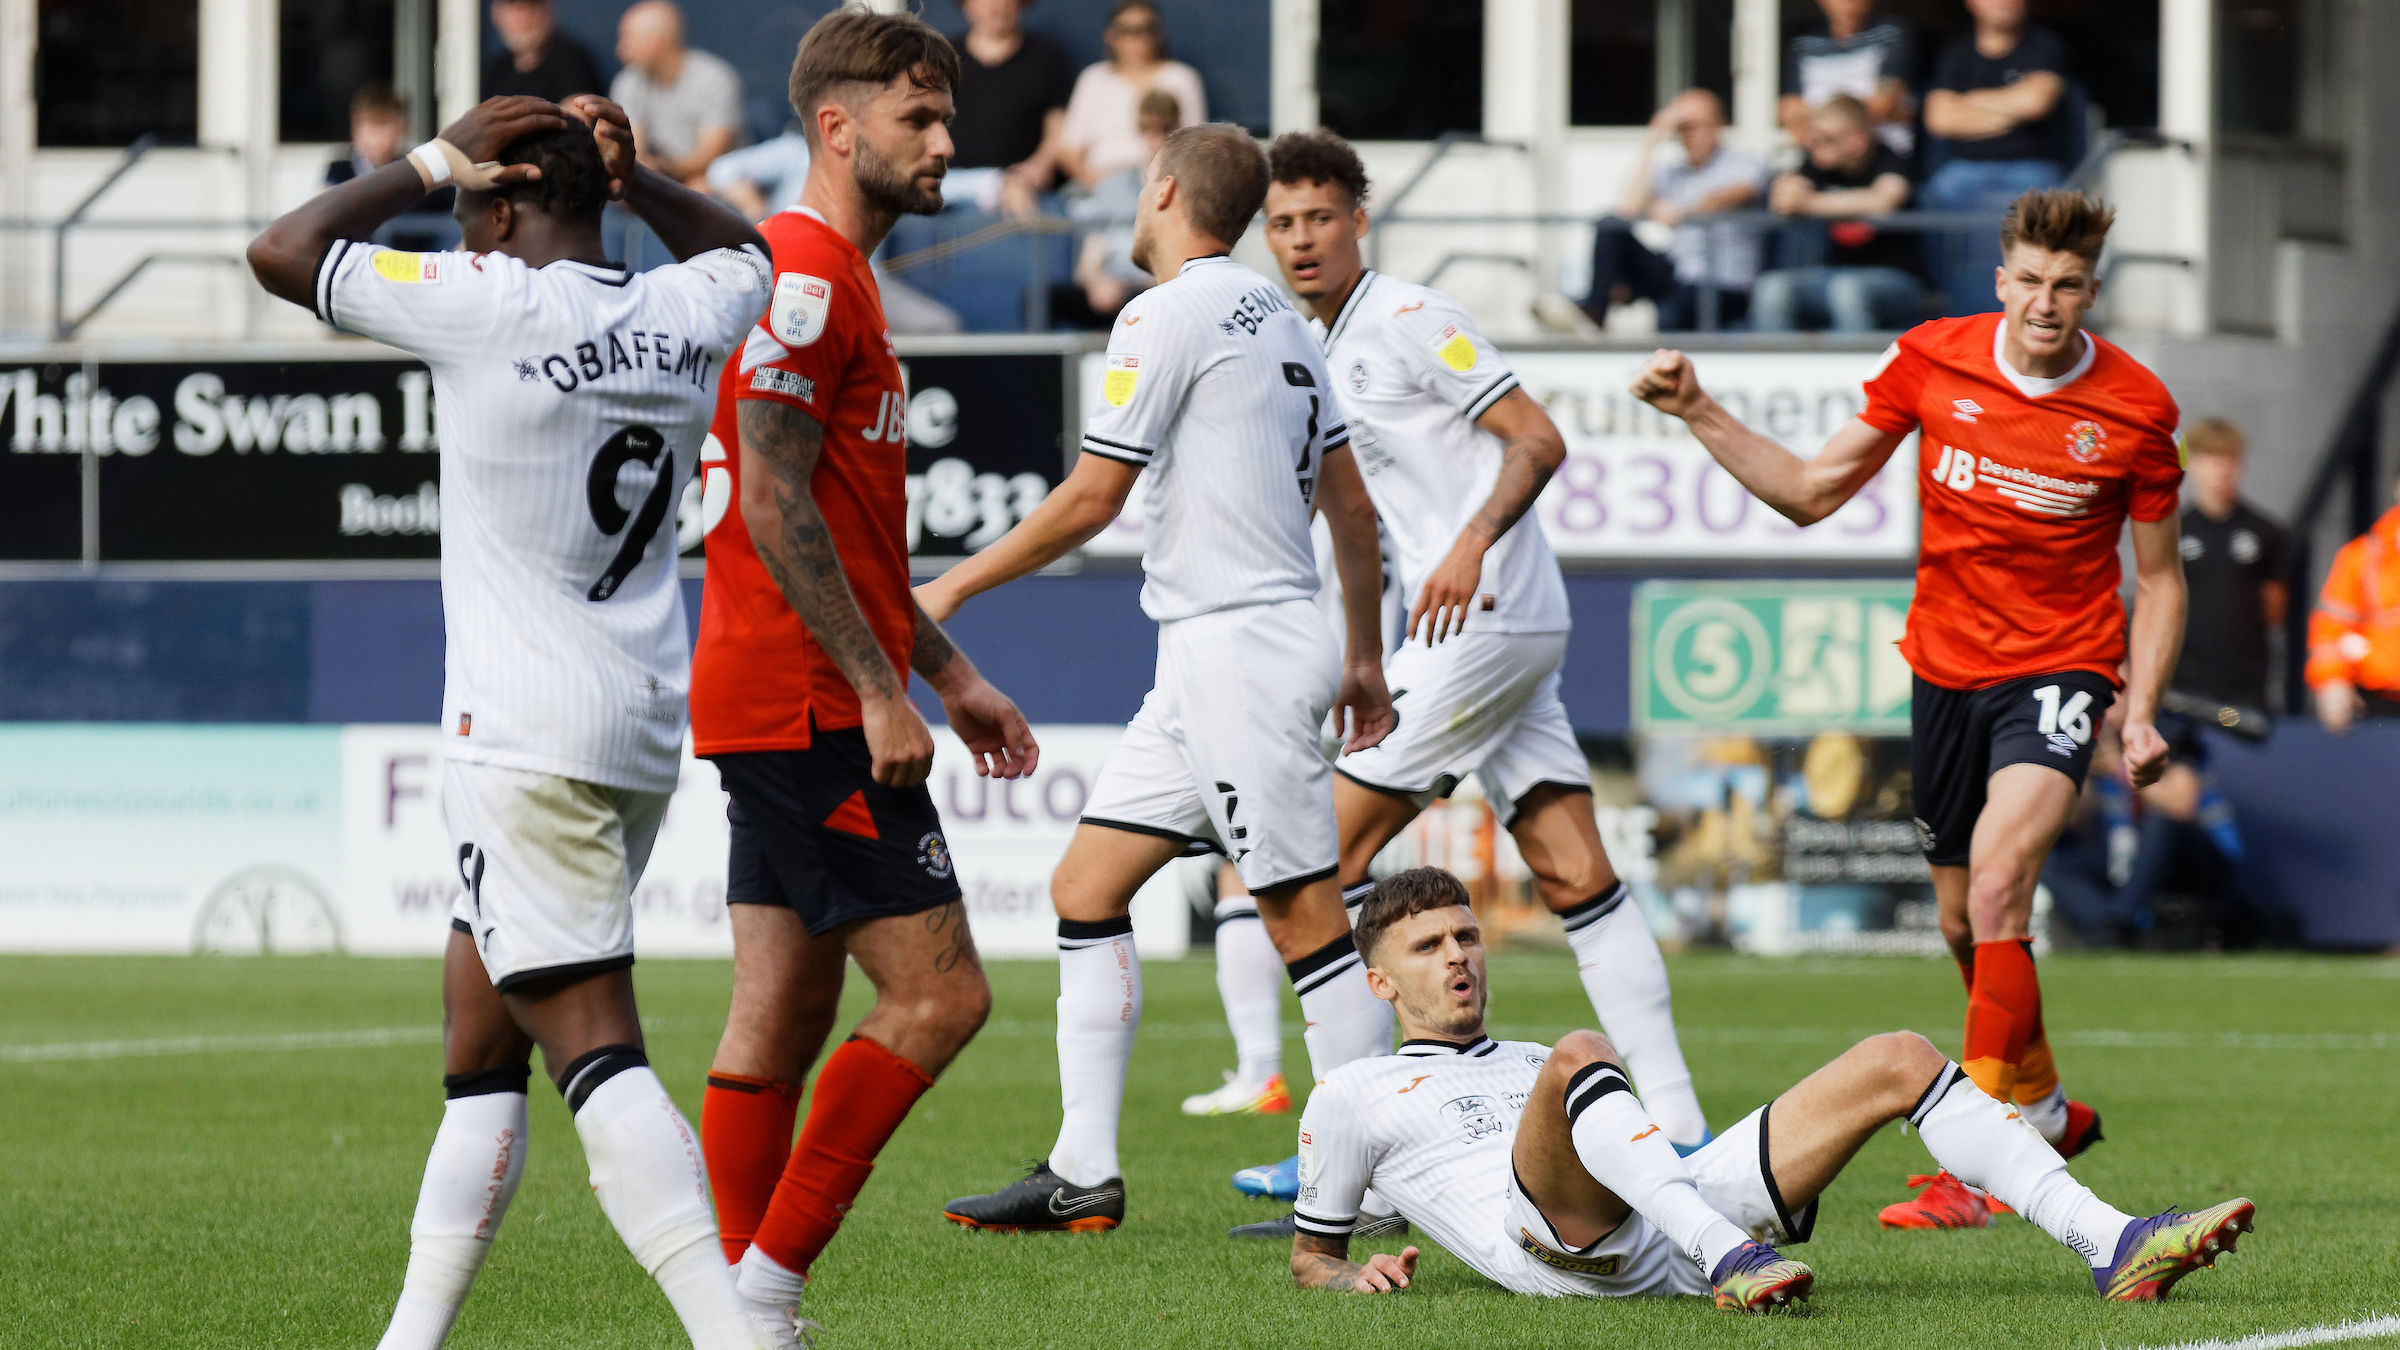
{"x":1477,"y":1116}
{"x":407,"y":267}
{"x":933,"y":854}
{"x":1124,"y":372}
{"x":1358,"y":377}
{"x":802,"y":302}
{"x":2086,"y":441}
{"x":1456,"y":349}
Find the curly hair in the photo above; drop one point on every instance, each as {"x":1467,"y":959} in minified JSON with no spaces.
{"x":574,"y":183}
{"x":1318,"y":157}
{"x":1400,"y":895}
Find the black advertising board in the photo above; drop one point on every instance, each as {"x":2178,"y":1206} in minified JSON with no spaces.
{"x":338,"y":460}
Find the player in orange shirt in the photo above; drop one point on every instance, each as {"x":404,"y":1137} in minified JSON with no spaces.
{"x":2038,"y":441}
{"x":800,"y":686}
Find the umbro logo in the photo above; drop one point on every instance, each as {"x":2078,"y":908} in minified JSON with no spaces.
{"x":1965,"y":409}
{"x":1089,"y":1200}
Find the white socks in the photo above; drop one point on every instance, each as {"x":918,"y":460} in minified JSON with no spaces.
{"x":478,"y":1157}
{"x":1629,"y":1154}
{"x":1099,"y":1008}
{"x":646,"y":1169}
{"x":1988,"y":1145}
{"x":2049,"y":1115}
{"x":772,"y":1292}
{"x":1345,"y":1019}
{"x":1250,"y":979}
{"x":1626,"y":980}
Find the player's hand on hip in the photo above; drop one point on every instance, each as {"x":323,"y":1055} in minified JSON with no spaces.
{"x":1448,"y":594}
{"x":898,"y":740}
{"x":612,"y":131}
{"x":996,"y":734}
{"x":936,"y":600}
{"x":1367,"y":705}
{"x":486,"y":129}
{"x":1385,"y":1273}
{"x":2145,"y":754}
{"x":1668,"y":383}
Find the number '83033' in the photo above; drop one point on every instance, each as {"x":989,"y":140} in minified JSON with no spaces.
{"x":952,"y":501}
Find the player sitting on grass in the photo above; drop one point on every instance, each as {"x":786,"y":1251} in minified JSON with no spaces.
{"x":1537,"y":1165}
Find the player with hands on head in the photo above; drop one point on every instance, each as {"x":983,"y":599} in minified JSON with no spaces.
{"x":1454,"y":452}
{"x":2038,"y":442}
{"x":575,"y":401}
{"x":1539,"y":1168}
{"x":800,"y":686}
{"x":1217,"y":390}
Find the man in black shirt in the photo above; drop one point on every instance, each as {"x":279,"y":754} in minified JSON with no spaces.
{"x":1012,"y":99}
{"x":1867,"y":282}
{"x":1853,"y":50}
{"x":1994,"y":105}
{"x":2233,"y":565}
{"x":539,"y":59}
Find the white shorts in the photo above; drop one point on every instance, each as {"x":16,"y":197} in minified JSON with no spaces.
{"x":1225,"y":752}
{"x":548,"y":866}
{"x":1732,"y":1175}
{"x":1479,"y":703}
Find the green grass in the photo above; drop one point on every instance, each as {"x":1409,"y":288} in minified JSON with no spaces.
{"x":255,"y":1198}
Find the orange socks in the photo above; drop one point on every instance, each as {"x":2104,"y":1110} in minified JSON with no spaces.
{"x":2004,"y":1008}
{"x":862,"y":1095}
{"x":745,"y":1134}
{"x":2037,"y":1074}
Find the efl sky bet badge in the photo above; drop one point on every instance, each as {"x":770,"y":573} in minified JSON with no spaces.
{"x":410,"y":267}
{"x":801,"y":304}
{"x":2085,"y":442}
{"x":1124,"y":371}
{"x":1456,"y":349}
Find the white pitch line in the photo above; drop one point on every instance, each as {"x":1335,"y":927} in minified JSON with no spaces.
{"x":217,"y":1045}
{"x":2373,"y":1329}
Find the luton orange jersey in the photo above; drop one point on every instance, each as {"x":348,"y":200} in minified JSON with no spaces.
{"x":2026,"y":484}
{"x":758,"y":679}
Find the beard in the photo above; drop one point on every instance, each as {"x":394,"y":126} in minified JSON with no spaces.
{"x":884,"y":187}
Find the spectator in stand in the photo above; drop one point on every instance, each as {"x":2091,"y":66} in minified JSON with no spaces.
{"x":1868,"y":282}
{"x":1105,"y":272}
{"x":2122,"y":850}
{"x":379,"y":135}
{"x":1708,"y":176}
{"x":1012,"y":96}
{"x":1102,"y":133}
{"x":1855,"y":51}
{"x":537,"y":58}
{"x":1994,"y":103}
{"x":2234,"y":568}
{"x":685,"y":105}
{"x":2354,"y":635}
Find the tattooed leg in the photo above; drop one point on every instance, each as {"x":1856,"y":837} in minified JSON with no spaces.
{"x":930,"y":993}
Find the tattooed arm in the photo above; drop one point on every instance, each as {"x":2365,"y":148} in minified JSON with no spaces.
{"x":780,"y":445}
{"x":1324,"y":1263}
{"x":1530,"y":451}
{"x":983,"y":717}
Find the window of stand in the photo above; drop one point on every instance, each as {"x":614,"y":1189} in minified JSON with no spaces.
{"x":1400,"y":70}
{"x":2112,"y":43}
{"x":331,"y":49}
{"x":1627,"y":57}
{"x":108,"y":71}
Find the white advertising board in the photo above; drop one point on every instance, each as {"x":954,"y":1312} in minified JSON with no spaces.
{"x":158,"y":838}
{"x":1637,"y":485}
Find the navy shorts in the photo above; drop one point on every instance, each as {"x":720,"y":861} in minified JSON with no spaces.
{"x":813,"y":831}
{"x":1959,"y":738}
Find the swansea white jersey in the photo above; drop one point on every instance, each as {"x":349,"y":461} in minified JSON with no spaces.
{"x":1430,"y":1128}
{"x":1413,"y":375}
{"x":1215,"y":385}
{"x":573,"y":400}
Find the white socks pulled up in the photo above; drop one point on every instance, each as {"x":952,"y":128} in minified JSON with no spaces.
{"x":1250,"y":979}
{"x":1624,"y":976}
{"x":477,"y":1160}
{"x":1628,"y":1153}
{"x":1099,"y":1009}
{"x":1345,"y":1019}
{"x":1990,"y":1146}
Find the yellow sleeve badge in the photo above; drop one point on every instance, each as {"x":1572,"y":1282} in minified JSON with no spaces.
{"x":1456,"y":349}
{"x":1124,"y":371}
{"x":409,"y":267}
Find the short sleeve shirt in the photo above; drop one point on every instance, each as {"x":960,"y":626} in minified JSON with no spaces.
{"x":2026,"y":485}
{"x":1963,"y":69}
{"x":1733,"y":251}
{"x":759,"y":680}
{"x":1104,"y":113}
{"x":565,"y":70}
{"x":2225,"y":562}
{"x":1001,"y":108}
{"x":1860,"y":243}
{"x":1817,"y":66}
{"x":670,"y":118}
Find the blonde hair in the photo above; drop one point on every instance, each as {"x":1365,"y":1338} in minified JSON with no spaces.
{"x":2213,"y":436}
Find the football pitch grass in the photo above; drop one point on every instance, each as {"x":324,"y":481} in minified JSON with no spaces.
{"x":224,"y":1153}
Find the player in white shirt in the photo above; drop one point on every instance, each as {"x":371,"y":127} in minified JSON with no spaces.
{"x":1217,"y":389}
{"x":1454,"y":453}
{"x":574,"y":399}
{"x":1539,"y":1167}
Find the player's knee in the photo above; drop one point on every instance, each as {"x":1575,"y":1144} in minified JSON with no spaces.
{"x":1579,"y":1048}
{"x":1902,"y":1062}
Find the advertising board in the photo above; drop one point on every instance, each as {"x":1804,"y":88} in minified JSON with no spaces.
{"x":1771,"y":658}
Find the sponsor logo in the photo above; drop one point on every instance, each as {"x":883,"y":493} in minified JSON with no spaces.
{"x":1926,"y":838}
{"x":1456,"y":349}
{"x":933,"y":854}
{"x":2086,"y":442}
{"x":740,"y":266}
{"x":466,"y":723}
{"x":1965,"y":409}
{"x":2191,"y":547}
{"x":407,"y":267}
{"x":1124,"y":372}
{"x":528,"y":368}
{"x":1132,"y":319}
{"x":1412,"y":1083}
{"x":1060,"y":1204}
{"x":797,"y":315}
{"x":2244,"y":546}
{"x":2061,"y":744}
{"x":776,"y":381}
{"x":1643,"y":1135}
{"x":1581,"y":1265}
{"x":1476,"y":1116}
